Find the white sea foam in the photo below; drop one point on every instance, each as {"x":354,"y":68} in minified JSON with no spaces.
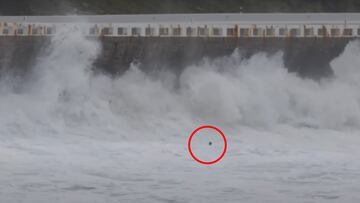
{"x":101,"y":139}
{"x":258,"y":92}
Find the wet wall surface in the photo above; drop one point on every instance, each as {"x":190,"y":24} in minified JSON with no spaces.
{"x":309,"y":57}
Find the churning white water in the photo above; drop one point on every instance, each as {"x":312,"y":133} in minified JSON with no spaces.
{"x":67,"y":135}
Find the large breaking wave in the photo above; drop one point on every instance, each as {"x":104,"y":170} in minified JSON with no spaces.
{"x":63,"y":96}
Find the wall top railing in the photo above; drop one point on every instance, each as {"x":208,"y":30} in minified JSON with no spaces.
{"x":188,"y":18}
{"x":190,"y":25}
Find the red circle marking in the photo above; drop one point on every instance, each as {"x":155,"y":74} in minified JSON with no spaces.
{"x":207,"y":162}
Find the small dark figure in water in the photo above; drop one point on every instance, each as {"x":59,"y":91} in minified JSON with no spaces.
{"x":210,"y":143}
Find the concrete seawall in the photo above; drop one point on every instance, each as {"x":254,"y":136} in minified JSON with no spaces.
{"x":309,"y":57}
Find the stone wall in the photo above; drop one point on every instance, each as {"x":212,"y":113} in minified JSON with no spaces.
{"x":310,"y":57}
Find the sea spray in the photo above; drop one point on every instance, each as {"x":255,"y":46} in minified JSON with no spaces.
{"x":63,"y":93}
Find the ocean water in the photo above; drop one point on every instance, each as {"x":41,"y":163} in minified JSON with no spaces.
{"x":68,"y":135}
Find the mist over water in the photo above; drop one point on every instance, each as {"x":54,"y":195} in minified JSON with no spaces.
{"x":62,"y":92}
{"x":68,"y":132}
